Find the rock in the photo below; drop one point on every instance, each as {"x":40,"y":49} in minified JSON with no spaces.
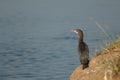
{"x":105,"y":66}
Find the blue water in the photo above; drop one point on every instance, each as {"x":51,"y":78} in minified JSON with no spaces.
{"x":35,"y":38}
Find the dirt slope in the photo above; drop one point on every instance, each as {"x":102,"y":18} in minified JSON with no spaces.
{"x":106,"y":66}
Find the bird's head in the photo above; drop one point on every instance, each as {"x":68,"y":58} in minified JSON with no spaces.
{"x":77,"y":31}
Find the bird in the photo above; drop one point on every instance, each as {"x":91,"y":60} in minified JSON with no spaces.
{"x":83,"y":50}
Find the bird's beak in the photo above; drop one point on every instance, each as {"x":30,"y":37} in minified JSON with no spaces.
{"x":74,"y":31}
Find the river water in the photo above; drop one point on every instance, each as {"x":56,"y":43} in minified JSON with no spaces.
{"x":35,"y":38}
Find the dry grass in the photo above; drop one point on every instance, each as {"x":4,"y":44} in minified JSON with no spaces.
{"x":113,"y":59}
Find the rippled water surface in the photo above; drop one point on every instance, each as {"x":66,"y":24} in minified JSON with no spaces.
{"x":35,"y":38}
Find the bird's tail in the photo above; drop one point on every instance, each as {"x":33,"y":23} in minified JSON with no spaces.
{"x":84,"y":61}
{"x":85,"y":64}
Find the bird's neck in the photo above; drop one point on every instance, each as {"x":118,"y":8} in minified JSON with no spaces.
{"x":81,"y":38}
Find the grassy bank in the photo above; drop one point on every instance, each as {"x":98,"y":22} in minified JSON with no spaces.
{"x":105,"y":66}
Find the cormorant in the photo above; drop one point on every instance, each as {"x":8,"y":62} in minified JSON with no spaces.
{"x":83,"y":50}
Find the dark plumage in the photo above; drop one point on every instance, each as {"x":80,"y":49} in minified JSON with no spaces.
{"x":83,"y":50}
